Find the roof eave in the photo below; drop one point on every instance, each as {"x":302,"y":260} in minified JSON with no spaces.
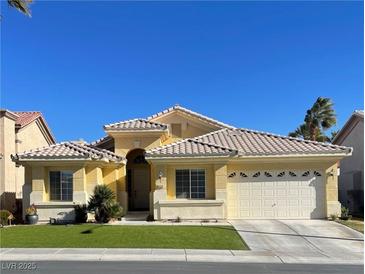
{"x":295,"y":155}
{"x":8,"y":114}
{"x":65,"y":159}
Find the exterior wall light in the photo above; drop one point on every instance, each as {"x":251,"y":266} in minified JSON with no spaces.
{"x":160,"y":174}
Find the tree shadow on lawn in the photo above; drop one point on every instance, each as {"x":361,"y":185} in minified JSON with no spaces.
{"x":91,"y":230}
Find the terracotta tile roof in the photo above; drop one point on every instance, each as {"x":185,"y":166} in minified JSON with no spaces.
{"x":245,"y":142}
{"x":190,"y":147}
{"x":102,"y":140}
{"x":26,"y":117}
{"x":69,"y":150}
{"x":136,"y":124}
{"x":192,"y":113}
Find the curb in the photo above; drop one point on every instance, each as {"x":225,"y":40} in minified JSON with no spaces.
{"x":161,"y":255}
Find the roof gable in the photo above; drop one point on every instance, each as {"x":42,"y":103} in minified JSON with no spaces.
{"x":24,"y":118}
{"x":189,"y":113}
{"x":350,"y":124}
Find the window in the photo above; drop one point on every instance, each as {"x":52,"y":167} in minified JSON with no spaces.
{"x":61,"y":185}
{"x":190,"y":183}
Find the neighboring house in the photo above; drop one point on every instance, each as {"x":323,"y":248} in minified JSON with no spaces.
{"x":178,"y":163}
{"x":351,"y":180}
{"x":19,"y":131}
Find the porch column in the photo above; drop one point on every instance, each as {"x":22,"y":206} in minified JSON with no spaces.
{"x":122,"y":195}
{"x":94,"y":177}
{"x":220,"y":176}
{"x":333,"y":205}
{"x":160,"y":188}
{"x":38,"y":185}
{"x":79,"y":184}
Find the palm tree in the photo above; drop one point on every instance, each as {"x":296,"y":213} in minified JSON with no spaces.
{"x":333,"y":134}
{"x":320,"y":117}
{"x":104,"y":204}
{"x":21,"y":5}
{"x":303,"y":132}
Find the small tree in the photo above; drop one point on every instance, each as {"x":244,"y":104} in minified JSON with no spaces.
{"x":103,"y":203}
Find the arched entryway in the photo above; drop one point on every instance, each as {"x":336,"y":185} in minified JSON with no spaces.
{"x":138,"y":180}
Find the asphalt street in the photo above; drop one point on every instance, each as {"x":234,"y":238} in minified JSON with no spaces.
{"x":74,"y":267}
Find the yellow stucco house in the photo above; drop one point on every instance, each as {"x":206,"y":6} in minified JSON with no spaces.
{"x":179,"y":163}
{"x":19,"y":131}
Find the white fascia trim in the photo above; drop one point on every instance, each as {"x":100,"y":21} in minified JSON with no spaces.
{"x":104,"y":160}
{"x":295,"y":155}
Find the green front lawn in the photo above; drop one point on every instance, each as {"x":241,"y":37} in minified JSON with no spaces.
{"x":92,"y":235}
{"x":356,"y":224}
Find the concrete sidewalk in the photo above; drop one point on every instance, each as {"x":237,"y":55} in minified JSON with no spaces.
{"x":181,"y":255}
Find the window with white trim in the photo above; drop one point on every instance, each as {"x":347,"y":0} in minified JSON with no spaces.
{"x":61,"y":185}
{"x":190,"y":183}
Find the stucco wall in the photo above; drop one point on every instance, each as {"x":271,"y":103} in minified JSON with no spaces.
{"x":190,"y":127}
{"x":11,"y":176}
{"x":167,"y":206}
{"x":209,"y":179}
{"x":85,"y":178}
{"x":29,"y":137}
{"x":351,"y":180}
{"x":7,"y":166}
{"x":124,"y":144}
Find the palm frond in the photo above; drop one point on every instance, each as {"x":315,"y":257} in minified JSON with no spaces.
{"x":21,"y":5}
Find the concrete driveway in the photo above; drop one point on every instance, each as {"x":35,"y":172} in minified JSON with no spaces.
{"x":302,"y":239}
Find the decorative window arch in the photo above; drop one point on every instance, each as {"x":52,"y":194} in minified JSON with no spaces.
{"x":244,"y":175}
{"x":306,"y":174}
{"x":281,"y":174}
{"x":292,"y":174}
{"x":316,"y":173}
{"x":267,"y":174}
{"x":233,"y":174}
{"x":257,"y":174}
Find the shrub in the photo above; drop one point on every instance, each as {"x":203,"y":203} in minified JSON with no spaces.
{"x":115,"y":210}
{"x":81,"y":213}
{"x":103,"y":203}
{"x":344,"y":212}
{"x":333,"y":217}
{"x":150,"y":218}
{"x":5,"y":216}
{"x":32,"y":210}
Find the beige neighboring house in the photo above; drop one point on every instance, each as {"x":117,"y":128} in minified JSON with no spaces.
{"x":19,"y":131}
{"x":178,"y":163}
{"x":351,"y":180}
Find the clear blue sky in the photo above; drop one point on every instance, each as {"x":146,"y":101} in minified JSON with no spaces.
{"x":256,"y":65}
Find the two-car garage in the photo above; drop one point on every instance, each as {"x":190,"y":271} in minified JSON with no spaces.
{"x":276,"y":194}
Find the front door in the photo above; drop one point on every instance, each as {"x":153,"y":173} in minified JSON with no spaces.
{"x":140,"y":188}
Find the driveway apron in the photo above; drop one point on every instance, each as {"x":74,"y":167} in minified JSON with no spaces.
{"x":298,"y":238}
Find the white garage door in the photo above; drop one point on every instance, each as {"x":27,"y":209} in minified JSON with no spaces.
{"x":279,"y":194}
